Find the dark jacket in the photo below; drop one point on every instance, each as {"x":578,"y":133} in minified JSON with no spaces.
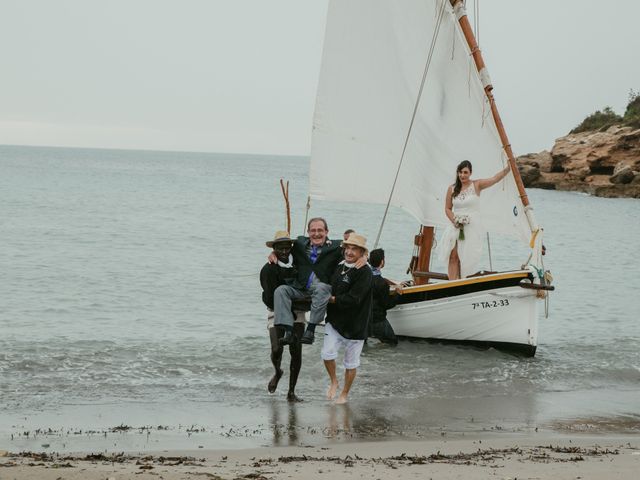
{"x":272,"y":276}
{"x":330,"y":255}
{"x":350,"y":314}
{"x":380,"y":327}
{"x":382,"y":299}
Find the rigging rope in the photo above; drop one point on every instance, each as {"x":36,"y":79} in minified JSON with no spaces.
{"x":547,"y":280}
{"x":476,"y":20}
{"x":413,"y":116}
{"x":477,"y":14}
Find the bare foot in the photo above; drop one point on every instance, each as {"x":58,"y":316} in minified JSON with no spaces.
{"x":273,"y":383}
{"x":341,"y":400}
{"x":332,"y":390}
{"x":293,"y":398}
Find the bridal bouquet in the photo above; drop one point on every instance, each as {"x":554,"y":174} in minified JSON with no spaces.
{"x":460,"y":222}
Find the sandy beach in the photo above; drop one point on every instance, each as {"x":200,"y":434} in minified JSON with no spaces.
{"x":504,"y":457}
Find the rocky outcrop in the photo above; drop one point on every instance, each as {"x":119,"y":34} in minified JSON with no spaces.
{"x":605,"y":164}
{"x":622,"y":174}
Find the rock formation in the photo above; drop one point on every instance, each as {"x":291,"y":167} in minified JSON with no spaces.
{"x":602,"y":163}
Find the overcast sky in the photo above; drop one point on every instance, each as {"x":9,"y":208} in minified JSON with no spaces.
{"x":240,"y":75}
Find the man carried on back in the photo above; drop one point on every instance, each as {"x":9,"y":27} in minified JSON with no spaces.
{"x":315,"y":257}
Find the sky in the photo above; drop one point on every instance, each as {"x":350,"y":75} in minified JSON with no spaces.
{"x":241,"y":75}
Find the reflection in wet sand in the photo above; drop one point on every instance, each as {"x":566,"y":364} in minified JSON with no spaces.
{"x":339,"y":421}
{"x":307,"y":423}
{"x":284,"y":433}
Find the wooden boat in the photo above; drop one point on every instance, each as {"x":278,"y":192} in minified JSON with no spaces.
{"x":404,"y":96}
{"x":490,"y":310}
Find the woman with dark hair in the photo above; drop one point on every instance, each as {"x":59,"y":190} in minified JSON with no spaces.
{"x":461,"y":243}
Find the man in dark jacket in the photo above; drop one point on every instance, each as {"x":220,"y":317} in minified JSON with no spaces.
{"x":347,"y":316}
{"x":382,"y":301}
{"x":315,"y":258}
{"x":272,"y":276}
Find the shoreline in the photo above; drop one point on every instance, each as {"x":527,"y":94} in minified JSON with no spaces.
{"x":599,"y":186}
{"x":272,"y":422}
{"x":501,"y":455}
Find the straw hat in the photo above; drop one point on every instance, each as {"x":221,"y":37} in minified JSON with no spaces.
{"x":357,"y":240}
{"x":281,"y":236}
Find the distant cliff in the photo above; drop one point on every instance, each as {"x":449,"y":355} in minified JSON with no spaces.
{"x":605,"y":163}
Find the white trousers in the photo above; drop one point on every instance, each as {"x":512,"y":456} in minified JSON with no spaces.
{"x":333,"y":341}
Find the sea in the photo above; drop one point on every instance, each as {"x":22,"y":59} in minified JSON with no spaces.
{"x":131,"y":316}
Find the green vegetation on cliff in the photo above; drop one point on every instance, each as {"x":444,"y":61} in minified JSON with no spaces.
{"x":605,"y":118}
{"x":632,"y":114}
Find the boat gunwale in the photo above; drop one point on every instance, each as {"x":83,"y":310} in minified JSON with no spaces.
{"x":462,"y":282}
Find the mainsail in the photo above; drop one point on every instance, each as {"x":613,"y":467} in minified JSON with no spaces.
{"x":373,"y":62}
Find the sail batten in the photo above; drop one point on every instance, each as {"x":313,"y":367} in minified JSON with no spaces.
{"x":373,"y":61}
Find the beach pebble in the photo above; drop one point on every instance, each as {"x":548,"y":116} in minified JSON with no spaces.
{"x":3,"y":453}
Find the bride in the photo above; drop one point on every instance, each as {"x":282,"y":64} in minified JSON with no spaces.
{"x":462,"y":241}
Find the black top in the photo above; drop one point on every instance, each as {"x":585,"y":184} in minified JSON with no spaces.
{"x":382,"y":299}
{"x":272,"y":276}
{"x":330,"y":255}
{"x":350,"y":314}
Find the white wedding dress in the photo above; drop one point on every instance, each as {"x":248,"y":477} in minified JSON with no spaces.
{"x":470,"y":249}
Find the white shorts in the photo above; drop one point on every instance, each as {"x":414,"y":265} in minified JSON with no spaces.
{"x":301,"y":317}
{"x":333,"y":341}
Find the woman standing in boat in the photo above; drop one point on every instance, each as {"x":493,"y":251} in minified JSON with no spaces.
{"x":462,"y":241}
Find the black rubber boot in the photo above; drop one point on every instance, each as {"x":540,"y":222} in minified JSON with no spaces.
{"x":287,"y":338}
{"x":308,"y":337}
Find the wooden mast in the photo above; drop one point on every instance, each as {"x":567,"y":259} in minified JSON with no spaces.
{"x":423,"y":243}
{"x":463,"y":19}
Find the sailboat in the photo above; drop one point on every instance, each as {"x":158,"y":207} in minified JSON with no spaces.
{"x":404,"y":96}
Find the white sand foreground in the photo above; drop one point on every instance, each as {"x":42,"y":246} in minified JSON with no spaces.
{"x":505,"y":457}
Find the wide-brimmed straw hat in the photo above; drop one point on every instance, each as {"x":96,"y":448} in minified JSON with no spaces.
{"x":357,"y":240}
{"x":281,"y":236}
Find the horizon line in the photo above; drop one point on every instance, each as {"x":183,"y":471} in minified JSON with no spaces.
{"x":157,"y":150}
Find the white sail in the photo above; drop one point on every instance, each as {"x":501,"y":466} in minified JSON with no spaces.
{"x":373,"y":61}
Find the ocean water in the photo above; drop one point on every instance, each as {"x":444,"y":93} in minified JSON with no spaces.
{"x":129,"y":295}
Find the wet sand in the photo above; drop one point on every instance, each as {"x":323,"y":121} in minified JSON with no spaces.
{"x":315,"y":441}
{"x":503,"y":456}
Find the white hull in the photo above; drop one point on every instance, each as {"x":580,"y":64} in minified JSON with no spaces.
{"x":505,"y":316}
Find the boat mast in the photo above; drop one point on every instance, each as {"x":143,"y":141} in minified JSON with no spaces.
{"x":465,"y":25}
{"x":420,"y":262}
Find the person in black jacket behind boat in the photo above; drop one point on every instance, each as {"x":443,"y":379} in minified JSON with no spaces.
{"x":379,"y":327}
{"x":272,"y":276}
{"x":348,"y":312}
